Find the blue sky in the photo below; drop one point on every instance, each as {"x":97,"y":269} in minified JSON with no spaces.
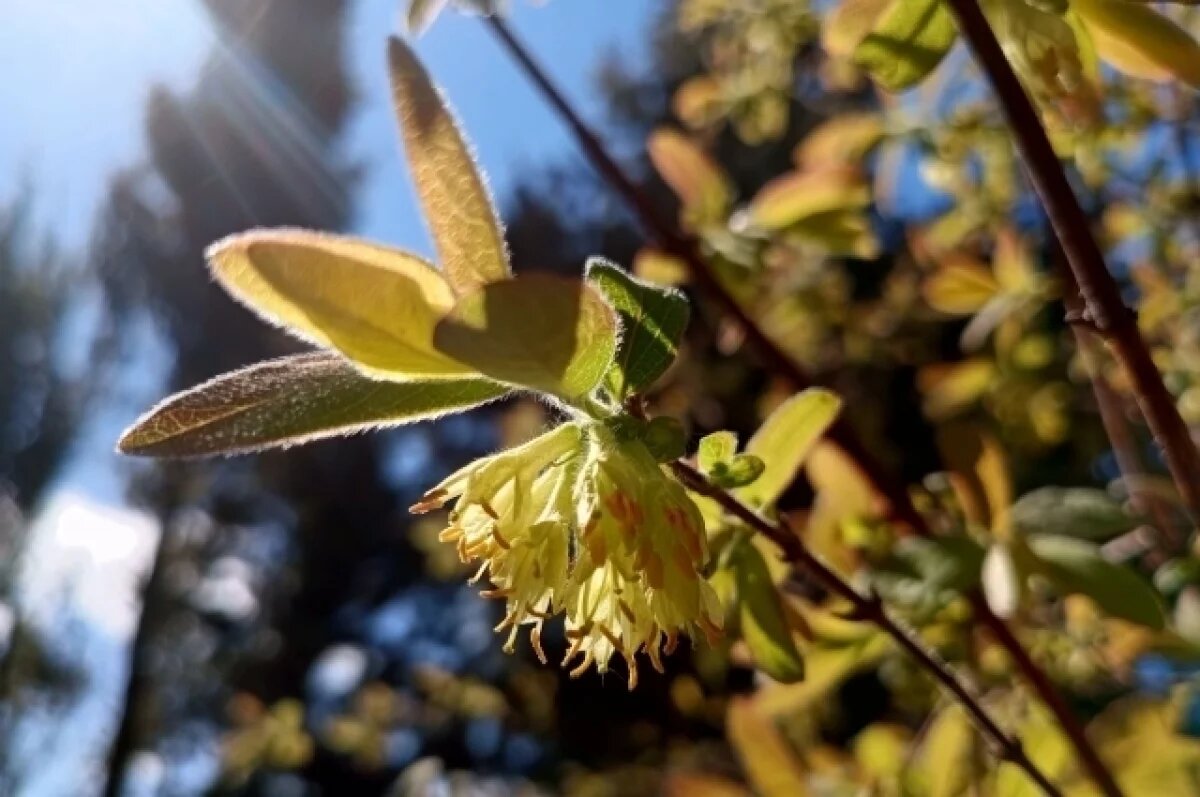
{"x":79,"y":72}
{"x":77,"y":75}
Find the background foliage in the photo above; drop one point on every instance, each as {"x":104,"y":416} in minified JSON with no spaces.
{"x":852,"y":183}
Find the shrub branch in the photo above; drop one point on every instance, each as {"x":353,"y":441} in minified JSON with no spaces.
{"x":900,"y":506}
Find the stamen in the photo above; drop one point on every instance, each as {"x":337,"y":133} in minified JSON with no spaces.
{"x":503,"y":543}
{"x":434,"y":499}
{"x":535,"y":640}
{"x":583,"y":665}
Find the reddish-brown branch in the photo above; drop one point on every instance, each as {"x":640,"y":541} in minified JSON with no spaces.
{"x":1105,"y":310}
{"x":869,"y":609}
{"x":900,"y":506}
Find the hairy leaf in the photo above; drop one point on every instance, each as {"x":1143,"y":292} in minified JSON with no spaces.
{"x":653,"y":320}
{"x":289,"y":401}
{"x":907,"y":42}
{"x":740,"y":471}
{"x":714,"y":449}
{"x":785,"y":439}
{"x":1078,"y":566}
{"x":376,"y":305}
{"x":539,"y":331}
{"x":458,"y":208}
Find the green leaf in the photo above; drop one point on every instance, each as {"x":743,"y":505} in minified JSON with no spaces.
{"x":714,"y":449}
{"x":290,"y":401}
{"x":1082,"y":512}
{"x":785,"y":440}
{"x":665,"y":438}
{"x":1076,"y":566}
{"x":539,"y":331}
{"x":653,"y":319}
{"x":908,"y":41}
{"x":741,"y":471}
{"x":763,"y":625}
{"x":458,"y":208}
{"x":376,"y":305}
{"x":943,"y":563}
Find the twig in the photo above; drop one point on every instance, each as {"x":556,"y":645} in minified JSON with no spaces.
{"x":1116,"y":427}
{"x":1103,"y":304}
{"x":868,"y":609}
{"x":900,"y":507}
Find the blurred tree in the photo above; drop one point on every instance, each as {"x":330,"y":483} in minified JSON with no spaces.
{"x":42,"y":398}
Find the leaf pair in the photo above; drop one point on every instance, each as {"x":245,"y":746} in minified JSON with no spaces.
{"x":416,"y":341}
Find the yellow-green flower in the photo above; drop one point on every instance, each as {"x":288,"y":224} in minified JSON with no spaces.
{"x":636,"y":584}
{"x":582,"y":523}
{"x":513,"y":513}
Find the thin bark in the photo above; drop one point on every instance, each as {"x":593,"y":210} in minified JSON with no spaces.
{"x":1104,"y":308}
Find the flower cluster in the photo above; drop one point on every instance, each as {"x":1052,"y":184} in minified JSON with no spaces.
{"x":582,"y":523}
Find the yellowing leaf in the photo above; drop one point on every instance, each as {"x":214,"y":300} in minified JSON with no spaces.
{"x":946,"y":752}
{"x":960,"y":286}
{"x":848,"y":24}
{"x":654,"y":265}
{"x":1140,"y":41}
{"x":908,"y":40}
{"x":538,"y":331}
{"x":698,"y":182}
{"x":826,"y":668}
{"x":453,"y":194}
{"x":983,"y":483}
{"x":843,"y":139}
{"x":843,"y":494}
{"x":290,"y":401}
{"x":798,"y":195}
{"x":785,"y":440}
{"x":376,"y":305}
{"x":950,"y":388}
{"x":770,"y":765}
{"x":697,"y":102}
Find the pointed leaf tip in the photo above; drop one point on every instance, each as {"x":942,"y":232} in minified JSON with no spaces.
{"x":457,"y":205}
{"x":289,"y":401}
